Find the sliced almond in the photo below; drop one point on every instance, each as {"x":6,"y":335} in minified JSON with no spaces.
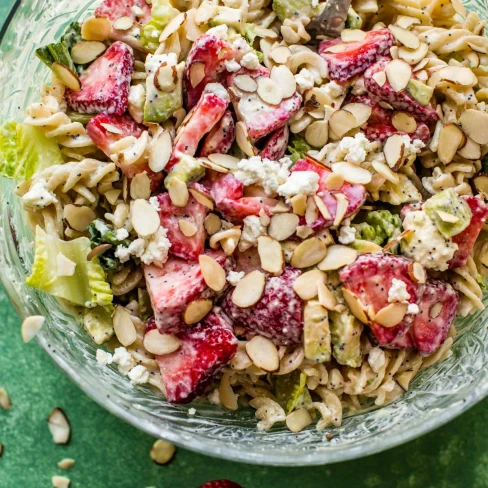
{"x":249,"y":289}
{"x":271,"y":255}
{"x":66,"y":76}
{"x":306,"y":285}
{"x":284,"y":78}
{"x":337,"y":257}
{"x":245,"y":83}
{"x":361,"y":111}
{"x":398,"y":73}
{"x":112,"y":196}
{"x":451,"y":138}
{"x":351,"y":173}
{"x":352,"y":35}
{"x":269,"y":91}
{"x":187,"y":228}
{"x":242,"y":138}
{"x":317,"y":133}
{"x":311,"y":212}
{"x":201,"y":198}
{"x":447,"y":217}
{"x":224,"y":160}
{"x":380,"y":78}
{"x":471,"y":150}
{"x":341,"y":209}
{"x":140,"y":186}
{"x":212,"y":224}
{"x":417,"y":272}
{"x":475,"y":124}
{"x":298,"y":420}
{"x":160,"y":344}
{"x":66,"y":463}
{"x":341,"y":122}
{"x":31,"y":326}
{"x":394,"y":151}
{"x":304,"y":231}
{"x":263,"y":353}
{"x":98,"y":251}
{"x":308,"y":253}
{"x":79,"y":217}
{"x":213,"y":273}
{"x":385,"y":171}
{"x":123,"y":23}
{"x":227,"y":397}
{"x":283,"y":226}
{"x":334,"y":181}
{"x":206,"y":163}
{"x":404,"y":122}
{"x":391,"y":315}
{"x":111,"y":128}
{"x":458,"y":75}
{"x":337,"y":48}
{"x":160,"y":152}
{"x":172,"y":26}
{"x":124,"y":326}
{"x":64,"y":266}
{"x":481,"y":184}
{"x":197,"y":310}
{"x":435,"y":310}
{"x":60,"y":482}
{"x":59,"y":426}
{"x":145,"y":218}
{"x":178,"y":192}
{"x":413,"y":56}
{"x":405,"y":37}
{"x":197,"y":73}
{"x":96,"y":29}
{"x":322,"y":207}
{"x":162,"y":452}
{"x":224,"y":235}
{"x":5,"y":401}
{"x":355,"y":305}
{"x":393,"y":242}
{"x":326,"y":298}
{"x":165,"y":78}
{"x":84,"y":52}
{"x":406,"y":21}
{"x":299,"y":204}
{"x":280,"y":54}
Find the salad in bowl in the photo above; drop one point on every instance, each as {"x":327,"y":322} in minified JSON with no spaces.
{"x":244,"y":212}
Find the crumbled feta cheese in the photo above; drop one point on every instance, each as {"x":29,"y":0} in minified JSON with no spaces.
{"x":235,"y":276}
{"x":65,"y":267}
{"x":219,"y":31}
{"x":104,"y":358}
{"x":232,"y":65}
{"x":123,"y":359}
{"x":250,"y":61}
{"x":155,"y":203}
{"x":136,"y":249}
{"x":347,"y":234}
{"x":263,"y":172}
{"x":304,"y":80}
{"x":412,"y":146}
{"x":240,"y":44}
{"x":253,"y":228}
{"x":300,"y":183}
{"x":192,"y":411}
{"x":315,"y":3}
{"x":137,"y":99}
{"x":398,"y":291}
{"x":413,"y":309}
{"x":101,"y":226}
{"x":333,"y":89}
{"x":217,"y":89}
{"x":214,"y":397}
{"x":354,"y":149}
{"x":39,"y":195}
{"x":139,"y":375}
{"x":121,"y":234}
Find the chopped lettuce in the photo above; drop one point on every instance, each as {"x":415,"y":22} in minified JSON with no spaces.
{"x":298,"y":147}
{"x":250,"y":36}
{"x":291,"y":390}
{"x":353,"y":20}
{"x":86,"y":287}
{"x":99,"y":325}
{"x":162,"y":12}
{"x":25,"y":150}
{"x":380,"y":226}
{"x":81,"y":118}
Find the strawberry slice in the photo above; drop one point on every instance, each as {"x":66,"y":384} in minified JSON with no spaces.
{"x":276,"y":144}
{"x":400,"y":100}
{"x":380,"y":132}
{"x":355,"y":57}
{"x":278,"y":314}
{"x":115,"y":9}
{"x":206,"y":348}
{"x":194,"y":212}
{"x":370,"y":278}
{"x":355,"y":194}
{"x":260,"y":117}
{"x":126,"y":126}
{"x":247,"y":260}
{"x":206,"y":114}
{"x":105,"y":83}
{"x":220,"y":138}
{"x":221,"y":484}
{"x":379,"y":115}
{"x":467,"y":238}
{"x":172,"y":287}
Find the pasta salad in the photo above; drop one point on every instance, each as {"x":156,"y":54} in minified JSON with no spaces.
{"x":249,"y":215}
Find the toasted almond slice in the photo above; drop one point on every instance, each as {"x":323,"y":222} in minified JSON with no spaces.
{"x":304,"y":231}
{"x":160,"y":344}
{"x":352,"y":173}
{"x":172,"y":26}
{"x":280,"y":54}
{"x":481,"y":184}
{"x":79,"y":217}
{"x":337,"y":257}
{"x":201,"y":198}
{"x":317,"y":133}
{"x":264,"y":218}
{"x":112,"y":196}
{"x":178,"y":192}
{"x":283,"y":226}
{"x":197,"y":73}
{"x":458,"y":75}
{"x":406,"y":21}
{"x":213,"y":273}
{"x":96,"y":29}
{"x":197,"y":310}
{"x":124,"y":327}
{"x":65,"y":267}
{"x":322,"y":207}
{"x":84,"y":52}
{"x":367,"y":247}
{"x":417,"y":272}
{"x":475,"y":124}
{"x":394,"y":52}
{"x":98,"y":251}
{"x":31,"y":326}
{"x":451,"y":138}
{"x":123,"y":23}
{"x":398,"y":73}
{"x":361,"y":111}
{"x":111,"y":128}
{"x":407,"y":38}
{"x":160,"y":152}
{"x":234,"y":233}
{"x":299,"y":419}
{"x":326,"y":298}
{"x":299,"y":204}
{"x":242,"y":138}
{"x":471,"y":150}
{"x":334,"y":181}
{"x":355,"y":305}
{"x":404,"y":235}
{"x":435,"y":310}
{"x":311,"y":212}
{"x":394,"y":150}
{"x":380,"y":78}
{"x":342,"y":205}
{"x":306,"y":285}
{"x":212,"y":224}
{"x":145,"y":218}
{"x":269,"y":91}
{"x":245,"y":83}
{"x":391,"y":315}
{"x":187,"y":228}
{"x":404,"y":122}
{"x":249,"y":289}
{"x":337,"y":48}
{"x":224,"y":160}
{"x":352,"y":35}
{"x":5,"y":401}
{"x":385,"y":171}
{"x":308,"y":253}
{"x":140,"y":186}
{"x":164,"y":78}
{"x":269,"y":34}
{"x":229,"y":244}
{"x":162,"y":452}
{"x":341,"y":122}
{"x":227,"y":397}
{"x":271,"y":255}
{"x":263,"y":353}
{"x":60,"y":482}
{"x":59,"y":426}
{"x":66,"y":463}
{"x":66,"y":76}
{"x":284,"y":78}
{"x":206,"y":163}
{"x":413,"y":56}
{"x":421,"y":65}
{"x":447,"y":217}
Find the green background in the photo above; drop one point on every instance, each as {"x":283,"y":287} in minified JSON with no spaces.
{"x":112,"y":454}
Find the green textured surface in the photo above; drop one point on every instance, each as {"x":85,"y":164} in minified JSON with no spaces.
{"x":112,"y":454}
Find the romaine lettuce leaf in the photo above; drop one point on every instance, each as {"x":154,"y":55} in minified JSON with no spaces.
{"x":291,"y":390}
{"x":162,"y":12}
{"x":380,"y":227}
{"x":99,"y":325}
{"x":298,"y":147}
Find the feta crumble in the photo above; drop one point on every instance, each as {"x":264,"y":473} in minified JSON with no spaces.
{"x":300,"y":183}
{"x":305,"y":80}
{"x":398,"y":291}
{"x":217,"y":89}
{"x":121,"y":234}
{"x":39,"y":195}
{"x":347,"y":234}
{"x":250,"y":61}
{"x":354,"y":149}
{"x":253,"y":228}
{"x":155,"y":203}
{"x":413,"y":309}
{"x":232,"y":65}
{"x":192,"y":411}
{"x":235,"y":276}
{"x":412,"y":146}
{"x":138,"y":375}
{"x":220,"y":31}
{"x":104,"y":358}
{"x":123,"y":359}
{"x":333,"y":89}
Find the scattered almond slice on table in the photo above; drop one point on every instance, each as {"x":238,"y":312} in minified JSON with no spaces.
{"x":162,"y":452}
{"x":60,"y":482}
{"x":5,"y":401}
{"x":31,"y":326}
{"x":59,"y":426}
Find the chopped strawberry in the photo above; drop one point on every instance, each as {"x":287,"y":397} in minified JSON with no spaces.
{"x":379,"y":115}
{"x":206,"y":114}
{"x":206,"y":348}
{"x":370,"y":278}
{"x":278,"y":314}
{"x":220,"y":138}
{"x":194,"y":212}
{"x":105,"y":83}
{"x":400,"y":100}
{"x":260,"y":117}
{"x":276,"y":144}
{"x":221,"y":484}
{"x":356,"y":56}
{"x":355,"y":194}
{"x":379,"y":132}
{"x":172,"y":287}
{"x":115,"y":9}
{"x":247,"y":260}
{"x":467,"y":238}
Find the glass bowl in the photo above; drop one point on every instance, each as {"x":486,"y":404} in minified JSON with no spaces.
{"x":438,"y":394}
